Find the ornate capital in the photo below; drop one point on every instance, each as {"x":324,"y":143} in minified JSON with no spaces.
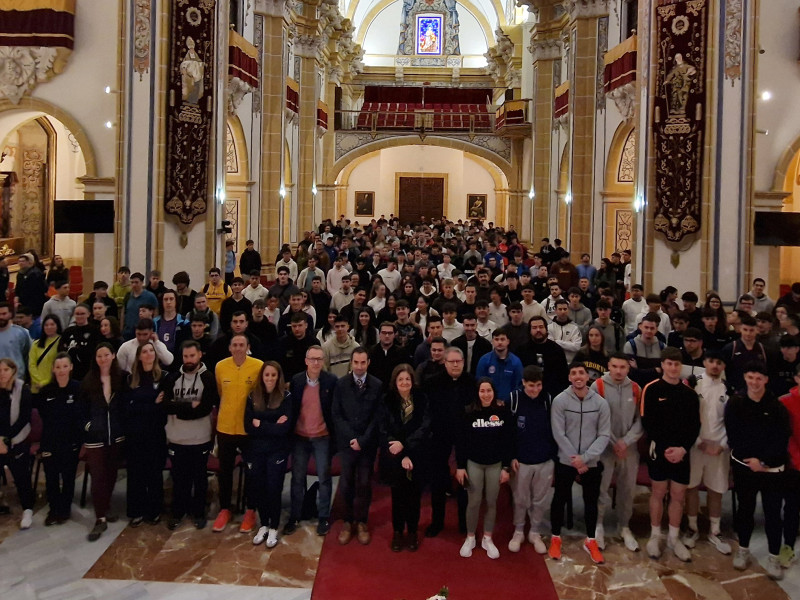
{"x":235,"y":93}
{"x":587,"y":9}
{"x":22,"y":68}
{"x":335,"y":75}
{"x":624,"y":98}
{"x":308,"y":46}
{"x":545,"y":49}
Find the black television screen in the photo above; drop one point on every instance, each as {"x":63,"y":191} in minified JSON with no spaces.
{"x":83,"y":216}
{"x":776,"y":229}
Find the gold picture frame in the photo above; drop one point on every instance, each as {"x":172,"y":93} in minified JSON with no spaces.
{"x":476,"y":206}
{"x":365,"y":204}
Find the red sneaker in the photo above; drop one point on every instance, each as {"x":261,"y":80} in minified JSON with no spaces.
{"x":249,"y":521}
{"x":221,"y":521}
{"x":590,"y":545}
{"x":555,"y":547}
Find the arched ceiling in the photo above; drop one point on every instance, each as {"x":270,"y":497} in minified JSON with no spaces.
{"x":357,"y":10}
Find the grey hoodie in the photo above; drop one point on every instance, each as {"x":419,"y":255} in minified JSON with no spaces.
{"x":580,"y":427}
{"x":626,"y":424}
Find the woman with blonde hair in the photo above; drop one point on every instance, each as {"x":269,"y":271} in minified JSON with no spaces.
{"x":146,"y":438}
{"x":267,"y":421}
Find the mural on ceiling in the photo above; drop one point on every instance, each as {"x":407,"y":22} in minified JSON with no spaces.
{"x":429,"y":28}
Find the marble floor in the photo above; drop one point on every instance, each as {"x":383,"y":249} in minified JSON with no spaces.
{"x":152,"y":562}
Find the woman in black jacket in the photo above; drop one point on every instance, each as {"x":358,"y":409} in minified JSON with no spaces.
{"x":483,"y":455}
{"x":15,"y":425}
{"x":267,"y":421}
{"x":102,"y":400}
{"x":405,"y":431}
{"x":62,"y":436}
{"x":145,"y":437}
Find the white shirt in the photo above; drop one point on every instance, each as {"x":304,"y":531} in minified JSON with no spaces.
{"x":291,"y":265}
{"x":665,"y":326}
{"x":255,"y":293}
{"x":631,"y":309}
{"x":451,"y":332}
{"x":377,"y":304}
{"x":390,"y":278}
{"x":126,"y":354}
{"x":534,"y":309}
{"x":713,"y":396}
{"x":485,"y":329}
{"x":498,"y":314}
{"x":445,"y":271}
{"x":568,"y":336}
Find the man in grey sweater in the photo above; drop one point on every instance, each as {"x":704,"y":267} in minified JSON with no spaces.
{"x":581,"y":426}
{"x":621,"y":456}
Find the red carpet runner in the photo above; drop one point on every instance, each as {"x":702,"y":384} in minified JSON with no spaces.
{"x":374,"y":572}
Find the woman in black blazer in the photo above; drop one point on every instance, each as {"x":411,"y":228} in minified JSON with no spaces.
{"x":405,"y":431}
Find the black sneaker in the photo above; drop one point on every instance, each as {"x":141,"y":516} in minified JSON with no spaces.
{"x":323,"y":527}
{"x":433,"y":530}
{"x":51,"y":519}
{"x":97,"y":530}
{"x":135,"y":522}
{"x":154,"y":520}
{"x":173,"y":523}
{"x":291,"y":527}
{"x":112,"y":518}
{"x":200,"y":523}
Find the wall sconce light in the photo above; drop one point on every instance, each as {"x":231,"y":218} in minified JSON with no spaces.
{"x":314,"y":189}
{"x":282,"y":192}
{"x":766,"y":95}
{"x":109,"y":90}
{"x":568,"y":199}
{"x":110,"y":124}
{"x":531,"y":194}
{"x":221,"y":196}
{"x":638,"y":203}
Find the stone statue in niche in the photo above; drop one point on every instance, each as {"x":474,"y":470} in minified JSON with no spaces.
{"x":411,"y":41}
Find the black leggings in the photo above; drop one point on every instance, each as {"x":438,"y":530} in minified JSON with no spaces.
{"x":60,"y":467}
{"x":748,"y":485}
{"x":565,"y":476}
{"x":405,"y":504}
{"x":228,"y":446}
{"x":189,"y":479}
{"x":268,"y":472}
{"x":18,"y":460}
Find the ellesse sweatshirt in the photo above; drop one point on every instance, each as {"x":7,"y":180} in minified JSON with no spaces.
{"x":487,"y":437}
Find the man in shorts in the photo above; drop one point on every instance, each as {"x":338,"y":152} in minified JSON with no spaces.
{"x":671,"y":419}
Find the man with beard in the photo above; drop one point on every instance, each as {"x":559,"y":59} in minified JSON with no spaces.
{"x":15,"y":343}
{"x":385,"y":356}
{"x":189,"y":396}
{"x":472,"y":346}
{"x":79,"y":341}
{"x":31,"y":287}
{"x":455,"y":390}
{"x":547,"y":355}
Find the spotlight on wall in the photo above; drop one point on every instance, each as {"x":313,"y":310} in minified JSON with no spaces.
{"x":314,"y":189}
{"x":638,"y":203}
{"x":766,"y":95}
{"x":568,"y":199}
{"x":532,"y":194}
{"x":109,"y":124}
{"x":763,"y":131}
{"x":108,"y":90}
{"x":282,"y":192}
{"x":221,"y":197}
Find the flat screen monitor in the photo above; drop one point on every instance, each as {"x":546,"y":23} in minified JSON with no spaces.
{"x":83,"y":216}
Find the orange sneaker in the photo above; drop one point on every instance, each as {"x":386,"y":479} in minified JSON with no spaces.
{"x":221,"y":521}
{"x":590,"y":545}
{"x":555,"y":547}
{"x":249,"y":521}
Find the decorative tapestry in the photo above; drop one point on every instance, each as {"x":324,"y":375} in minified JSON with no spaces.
{"x":679,"y":115}
{"x":190,"y":103}
{"x":429,"y":28}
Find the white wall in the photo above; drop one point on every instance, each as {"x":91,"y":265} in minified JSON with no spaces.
{"x":464,"y":176}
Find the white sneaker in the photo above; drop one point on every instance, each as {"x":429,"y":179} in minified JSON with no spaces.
{"x":654,"y":547}
{"x":272,"y":538}
{"x":630,"y":541}
{"x":259,"y":537}
{"x":742,"y":559}
{"x":774,"y":567}
{"x":538,"y":544}
{"x":721,"y":545}
{"x":467,"y":547}
{"x":600,"y":536}
{"x":488,"y":545}
{"x":690,"y":538}
{"x":680,"y":551}
{"x":27,"y":519}
{"x":516,"y":541}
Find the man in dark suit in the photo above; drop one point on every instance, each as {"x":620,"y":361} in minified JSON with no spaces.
{"x":356,"y":411}
{"x":312,"y":427}
{"x":471,"y":344}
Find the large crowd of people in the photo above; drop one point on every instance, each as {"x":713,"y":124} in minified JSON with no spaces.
{"x":396,"y":348}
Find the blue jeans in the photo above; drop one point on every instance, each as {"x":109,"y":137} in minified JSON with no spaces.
{"x":301,"y":452}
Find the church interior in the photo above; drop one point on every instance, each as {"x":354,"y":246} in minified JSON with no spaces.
{"x":148,"y":133}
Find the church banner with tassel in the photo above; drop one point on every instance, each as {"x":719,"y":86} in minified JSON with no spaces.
{"x":190,"y":106}
{"x":679,"y":115}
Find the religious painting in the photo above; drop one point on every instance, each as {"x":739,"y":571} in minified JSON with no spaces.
{"x":679,"y":116}
{"x":365,"y":204}
{"x":429,"y":34}
{"x":476,"y":206}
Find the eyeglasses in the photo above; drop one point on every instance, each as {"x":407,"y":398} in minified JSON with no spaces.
{"x":454,"y":362}
{"x":313,"y":359}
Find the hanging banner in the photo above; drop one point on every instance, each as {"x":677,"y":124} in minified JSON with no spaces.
{"x":620,"y":65}
{"x":679,"y":115}
{"x":190,"y":105}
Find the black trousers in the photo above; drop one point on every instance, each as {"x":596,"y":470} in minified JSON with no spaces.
{"x":405,"y":504}
{"x":60,"y":468}
{"x":748,"y":485}
{"x":565,"y":476}
{"x":791,"y":506}
{"x":441,"y":483}
{"x":268,"y":472}
{"x":189,"y":479}
{"x":18,"y":460}
{"x":356,"y":483}
{"x":146,"y":460}
{"x":228,"y":446}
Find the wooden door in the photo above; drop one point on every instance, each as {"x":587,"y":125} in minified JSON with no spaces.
{"x":420,"y":196}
